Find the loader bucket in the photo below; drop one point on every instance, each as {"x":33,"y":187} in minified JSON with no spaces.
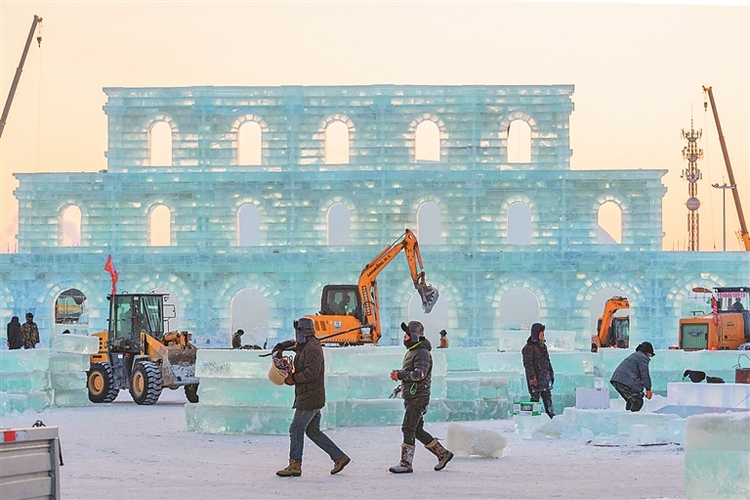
{"x":429,"y":297}
{"x":179,"y":367}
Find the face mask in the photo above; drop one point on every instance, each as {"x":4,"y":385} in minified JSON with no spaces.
{"x":300,"y":337}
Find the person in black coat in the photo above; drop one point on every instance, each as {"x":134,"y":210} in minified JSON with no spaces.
{"x":540,"y":377}
{"x":15,"y":337}
{"x":416,"y":380}
{"x":308,"y":379}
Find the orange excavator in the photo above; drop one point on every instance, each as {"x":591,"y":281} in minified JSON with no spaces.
{"x":350,"y":314}
{"x":611,"y":330}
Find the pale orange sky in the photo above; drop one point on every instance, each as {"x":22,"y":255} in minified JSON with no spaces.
{"x":638,"y":71}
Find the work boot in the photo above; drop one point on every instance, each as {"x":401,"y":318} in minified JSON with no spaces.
{"x":293,"y":469}
{"x":407,"y":457}
{"x":444,"y":456}
{"x":339,"y":464}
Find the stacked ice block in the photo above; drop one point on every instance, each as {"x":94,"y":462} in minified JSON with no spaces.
{"x":68,"y":364}
{"x":24,"y":380}
{"x":717,"y":456}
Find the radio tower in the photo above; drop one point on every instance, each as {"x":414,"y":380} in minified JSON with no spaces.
{"x":692,"y":174}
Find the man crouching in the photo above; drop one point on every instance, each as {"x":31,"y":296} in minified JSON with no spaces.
{"x":416,"y":378}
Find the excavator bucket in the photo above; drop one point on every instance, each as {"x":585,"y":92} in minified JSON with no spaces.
{"x":429,"y":297}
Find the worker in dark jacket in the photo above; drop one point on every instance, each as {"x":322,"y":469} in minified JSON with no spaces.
{"x":237,"y":339}
{"x":30,"y":332}
{"x":416,"y":379}
{"x":308,"y":379}
{"x":631,"y":377}
{"x":540,"y":377}
{"x":15,"y":337}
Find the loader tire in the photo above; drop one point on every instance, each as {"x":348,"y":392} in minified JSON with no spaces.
{"x":191,"y":392}
{"x":146,"y":384}
{"x":101,"y":384}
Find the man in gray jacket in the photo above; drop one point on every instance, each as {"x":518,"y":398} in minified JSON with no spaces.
{"x":631,"y":377}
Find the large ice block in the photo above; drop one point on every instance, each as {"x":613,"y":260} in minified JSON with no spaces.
{"x":659,"y":424}
{"x":717,"y":456}
{"x":76,"y":397}
{"x":370,"y":386}
{"x":244,"y":392}
{"x":37,"y":380}
{"x":500,"y":361}
{"x":232,"y":363}
{"x":525,"y":425}
{"x":597,"y":421}
{"x":23,"y":360}
{"x":68,"y":381}
{"x":514,"y":340}
{"x":464,"y":358}
{"x":273,"y":420}
{"x":337,"y":387}
{"x":373,"y":412}
{"x":63,"y":362}
{"x":13,"y":401}
{"x":465,"y":441}
{"x":337,"y":358}
{"x":78,"y":344}
{"x":383,"y":362}
{"x":713,"y":395}
{"x":573,"y":363}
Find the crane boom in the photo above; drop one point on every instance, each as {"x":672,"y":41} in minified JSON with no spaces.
{"x":16,"y":78}
{"x":744,"y":236}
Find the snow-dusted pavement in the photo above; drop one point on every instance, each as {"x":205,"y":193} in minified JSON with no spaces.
{"x":125,"y":451}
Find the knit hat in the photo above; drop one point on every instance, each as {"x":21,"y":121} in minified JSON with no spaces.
{"x":536,"y":329}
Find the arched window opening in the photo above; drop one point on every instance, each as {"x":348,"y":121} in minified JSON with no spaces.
{"x":609,"y":224}
{"x":249,"y":144}
{"x":249,"y":312}
{"x":71,"y":226}
{"x":618,"y":330}
{"x":433,"y":322}
{"x":248,"y":225}
{"x":70,"y":307}
{"x":336,"y":147}
{"x":519,"y":224}
{"x":160,"y":227}
{"x":518,"y":309}
{"x":338,"y":225}
{"x":429,"y":230}
{"x":160,"y":144}
{"x":519,"y":142}
{"x":427,"y":138}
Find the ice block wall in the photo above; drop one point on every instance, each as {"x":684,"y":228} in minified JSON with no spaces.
{"x":474,"y":184}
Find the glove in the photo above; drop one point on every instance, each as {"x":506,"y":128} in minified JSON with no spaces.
{"x":532,"y":382}
{"x":281,"y":346}
{"x":649,"y":394}
{"x":289,"y":380}
{"x":394,"y":375}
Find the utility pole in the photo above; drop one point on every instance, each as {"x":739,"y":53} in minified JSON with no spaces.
{"x":724,"y":188}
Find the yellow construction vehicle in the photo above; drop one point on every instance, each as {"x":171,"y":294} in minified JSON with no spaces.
{"x":726,"y":327}
{"x":611,"y":330}
{"x":350,"y":314}
{"x":135,"y":353}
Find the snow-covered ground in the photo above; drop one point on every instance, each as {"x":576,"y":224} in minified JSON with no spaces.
{"x":125,"y":451}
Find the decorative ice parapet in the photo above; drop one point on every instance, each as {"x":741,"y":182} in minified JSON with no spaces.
{"x":717,"y":456}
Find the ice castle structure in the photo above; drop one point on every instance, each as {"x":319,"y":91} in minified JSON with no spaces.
{"x":257,"y":202}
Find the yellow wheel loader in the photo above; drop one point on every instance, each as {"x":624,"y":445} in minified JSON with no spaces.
{"x":135,"y":353}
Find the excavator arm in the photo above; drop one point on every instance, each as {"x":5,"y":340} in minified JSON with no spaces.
{"x":744,"y":236}
{"x":367,"y":285}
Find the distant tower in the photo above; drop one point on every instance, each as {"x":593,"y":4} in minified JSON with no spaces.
{"x":692,"y":154}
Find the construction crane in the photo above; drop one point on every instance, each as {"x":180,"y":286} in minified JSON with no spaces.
{"x":16,"y":78}
{"x":744,"y":236}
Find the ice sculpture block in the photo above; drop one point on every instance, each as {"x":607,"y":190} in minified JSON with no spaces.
{"x":712,"y":395}
{"x":232,"y":363}
{"x":717,"y":456}
{"x":465,"y":441}
{"x":604,"y":421}
{"x":244,"y":392}
{"x":23,"y":360}
{"x":68,"y":381}
{"x":79,"y":344}
{"x":465,"y":358}
{"x":76,"y":397}
{"x":273,"y":420}
{"x":37,"y":380}
{"x":63,"y":362}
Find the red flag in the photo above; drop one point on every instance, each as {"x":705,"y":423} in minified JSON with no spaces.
{"x":110,"y":268}
{"x":715,"y":311}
